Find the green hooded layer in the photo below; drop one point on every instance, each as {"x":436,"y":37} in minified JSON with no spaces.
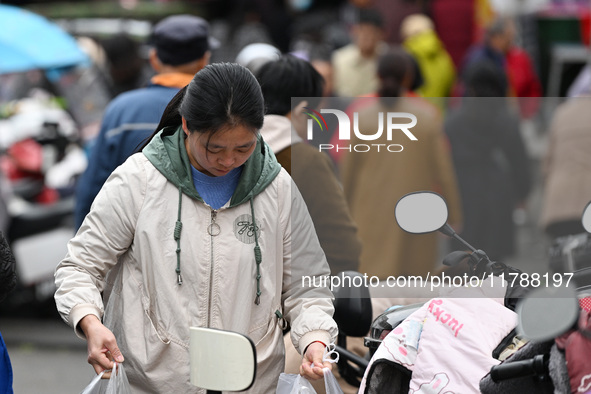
{"x":167,"y":152}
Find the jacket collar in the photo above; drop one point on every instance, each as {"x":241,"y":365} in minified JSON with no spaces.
{"x":278,"y":133}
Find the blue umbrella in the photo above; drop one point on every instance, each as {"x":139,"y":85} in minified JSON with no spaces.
{"x":30,"y":41}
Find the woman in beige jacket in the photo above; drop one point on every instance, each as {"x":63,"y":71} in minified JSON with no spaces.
{"x":202,"y":228}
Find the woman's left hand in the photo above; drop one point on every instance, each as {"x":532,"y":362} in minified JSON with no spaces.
{"x":313,"y":355}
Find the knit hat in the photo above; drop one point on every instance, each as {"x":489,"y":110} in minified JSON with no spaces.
{"x":181,"y":39}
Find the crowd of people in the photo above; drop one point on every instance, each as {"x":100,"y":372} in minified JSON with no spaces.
{"x":358,"y":59}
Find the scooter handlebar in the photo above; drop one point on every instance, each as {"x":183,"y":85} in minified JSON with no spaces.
{"x":517,"y":369}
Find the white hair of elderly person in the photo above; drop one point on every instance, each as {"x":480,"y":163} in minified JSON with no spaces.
{"x":253,"y":56}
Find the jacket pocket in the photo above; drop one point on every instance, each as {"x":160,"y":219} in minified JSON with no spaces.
{"x":159,"y":333}
{"x":163,"y":335}
{"x":261,"y":332}
{"x":270,"y":347}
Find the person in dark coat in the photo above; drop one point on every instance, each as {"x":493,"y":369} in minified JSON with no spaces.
{"x":311,"y":170}
{"x":490,"y":161}
{"x":7,"y":284}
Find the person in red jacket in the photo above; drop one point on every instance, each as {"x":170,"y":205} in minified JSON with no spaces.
{"x":523,"y":80}
{"x":500,"y":48}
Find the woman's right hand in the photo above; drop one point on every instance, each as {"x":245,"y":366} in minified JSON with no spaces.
{"x":102,"y":345}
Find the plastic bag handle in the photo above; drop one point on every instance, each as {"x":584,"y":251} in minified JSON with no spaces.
{"x":329,"y":350}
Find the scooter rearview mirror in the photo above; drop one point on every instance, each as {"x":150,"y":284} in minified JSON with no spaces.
{"x":425,"y":212}
{"x":586,"y":218}
{"x":547,"y":312}
{"x":221,"y":360}
{"x":421,"y":212}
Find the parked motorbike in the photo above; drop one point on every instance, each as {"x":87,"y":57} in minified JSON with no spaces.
{"x":551,"y":325}
{"x":420,"y":213}
{"x":40,"y":159}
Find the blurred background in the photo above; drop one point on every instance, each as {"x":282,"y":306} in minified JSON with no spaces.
{"x":51,"y":106}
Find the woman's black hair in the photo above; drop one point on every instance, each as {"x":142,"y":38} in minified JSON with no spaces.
{"x":394,"y":67}
{"x":220,"y":95}
{"x":289,"y":77}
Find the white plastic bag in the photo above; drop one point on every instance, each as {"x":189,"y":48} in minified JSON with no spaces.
{"x":294,"y":383}
{"x":116,"y":384}
{"x":331,"y":385}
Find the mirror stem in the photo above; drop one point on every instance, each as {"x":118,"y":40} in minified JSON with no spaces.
{"x":449,"y":231}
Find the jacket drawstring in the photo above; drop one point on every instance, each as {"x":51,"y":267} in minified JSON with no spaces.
{"x":177,"y":236}
{"x":257,"y":255}
{"x":257,"y":249}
